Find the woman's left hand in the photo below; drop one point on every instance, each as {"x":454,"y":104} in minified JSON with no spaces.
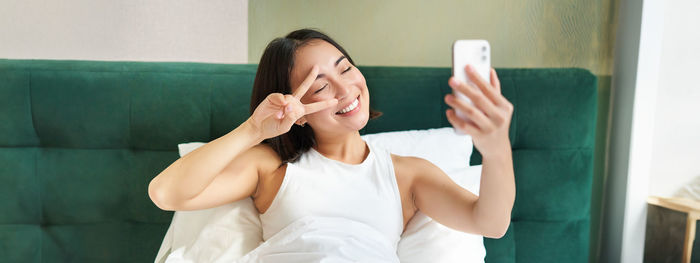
{"x":489,"y":116}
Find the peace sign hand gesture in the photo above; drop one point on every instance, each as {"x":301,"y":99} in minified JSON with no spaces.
{"x":277,"y":113}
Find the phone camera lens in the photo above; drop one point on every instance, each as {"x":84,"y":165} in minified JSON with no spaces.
{"x":483,"y":48}
{"x":483,"y":58}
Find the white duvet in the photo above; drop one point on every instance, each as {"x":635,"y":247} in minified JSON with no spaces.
{"x":315,"y":239}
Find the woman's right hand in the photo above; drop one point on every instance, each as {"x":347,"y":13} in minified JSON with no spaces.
{"x":278,"y":112}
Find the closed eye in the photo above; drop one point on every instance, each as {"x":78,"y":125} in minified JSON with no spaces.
{"x":324,"y":86}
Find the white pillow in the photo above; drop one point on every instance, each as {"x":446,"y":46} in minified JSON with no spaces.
{"x":443,"y":147}
{"x":203,"y":235}
{"x":426,"y":240}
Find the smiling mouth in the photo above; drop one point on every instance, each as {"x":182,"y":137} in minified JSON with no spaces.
{"x":350,"y":107}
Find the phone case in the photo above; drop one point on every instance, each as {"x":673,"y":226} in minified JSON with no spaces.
{"x":476,"y":53}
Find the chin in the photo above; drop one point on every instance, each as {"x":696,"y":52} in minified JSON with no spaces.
{"x":361,"y":122}
{"x":357,"y":122}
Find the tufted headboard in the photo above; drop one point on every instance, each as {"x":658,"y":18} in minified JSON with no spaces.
{"x":82,"y":140}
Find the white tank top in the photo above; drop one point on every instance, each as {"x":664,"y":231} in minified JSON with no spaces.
{"x":318,"y":186}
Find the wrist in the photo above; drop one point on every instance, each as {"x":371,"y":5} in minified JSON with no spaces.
{"x":251,"y":131}
{"x":498,"y":153}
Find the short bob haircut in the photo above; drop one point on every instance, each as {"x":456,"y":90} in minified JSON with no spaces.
{"x":273,"y":76}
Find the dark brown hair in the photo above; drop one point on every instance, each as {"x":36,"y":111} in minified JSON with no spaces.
{"x":273,"y":76}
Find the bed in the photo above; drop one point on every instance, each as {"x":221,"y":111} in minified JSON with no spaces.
{"x":82,"y":140}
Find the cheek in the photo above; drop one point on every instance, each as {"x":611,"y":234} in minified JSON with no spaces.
{"x":362,"y":83}
{"x":320,"y":115}
{"x":365,"y":92}
{"x":359,"y":79}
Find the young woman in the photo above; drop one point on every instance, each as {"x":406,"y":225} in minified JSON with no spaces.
{"x":300,"y":152}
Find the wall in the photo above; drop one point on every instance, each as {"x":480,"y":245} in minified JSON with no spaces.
{"x":635,"y":87}
{"x":676,"y":146}
{"x":159,"y":30}
{"x":530,"y":33}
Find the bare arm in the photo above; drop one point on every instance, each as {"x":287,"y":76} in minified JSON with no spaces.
{"x":440,"y":198}
{"x":188,"y":176}
{"x":227,"y":169}
{"x":496,"y":193}
{"x":488,"y":123}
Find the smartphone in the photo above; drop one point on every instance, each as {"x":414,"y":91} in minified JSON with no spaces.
{"x":473,"y":52}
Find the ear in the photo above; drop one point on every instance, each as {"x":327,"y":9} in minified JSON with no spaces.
{"x":301,"y":121}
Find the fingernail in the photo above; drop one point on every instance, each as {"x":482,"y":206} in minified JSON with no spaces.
{"x":288,"y":108}
{"x":279,"y":114}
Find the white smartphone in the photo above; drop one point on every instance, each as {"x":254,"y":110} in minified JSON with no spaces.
{"x":473,"y":52}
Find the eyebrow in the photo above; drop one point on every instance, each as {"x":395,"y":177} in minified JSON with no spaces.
{"x":336,"y":64}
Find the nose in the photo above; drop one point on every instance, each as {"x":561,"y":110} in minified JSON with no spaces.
{"x":342,"y":89}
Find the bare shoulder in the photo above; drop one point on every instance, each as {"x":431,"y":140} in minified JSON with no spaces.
{"x":412,"y":165}
{"x":410,"y":169}
{"x":265,"y":157}
{"x":417,"y":169}
{"x":238,"y":179}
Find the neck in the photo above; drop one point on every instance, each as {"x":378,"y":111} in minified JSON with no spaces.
{"x":347,"y":148}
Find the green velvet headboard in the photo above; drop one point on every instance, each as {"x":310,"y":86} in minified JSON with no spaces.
{"x":82,"y":140}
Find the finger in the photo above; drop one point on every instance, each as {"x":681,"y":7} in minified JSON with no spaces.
{"x":264,"y":111}
{"x":290,"y":117}
{"x":307,"y":83}
{"x":495,"y":82}
{"x":318,"y":106}
{"x":283,"y":111}
{"x":460,"y":124}
{"x":289,"y":102}
{"x":495,"y":115}
{"x":475,"y":115}
{"x":484,"y":86}
{"x":292,"y":108}
{"x":478,"y":98}
{"x":267,"y":112}
{"x":273,"y":105}
{"x":276,"y":99}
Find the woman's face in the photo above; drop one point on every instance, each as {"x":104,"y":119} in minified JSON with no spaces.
{"x":337,"y":78}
